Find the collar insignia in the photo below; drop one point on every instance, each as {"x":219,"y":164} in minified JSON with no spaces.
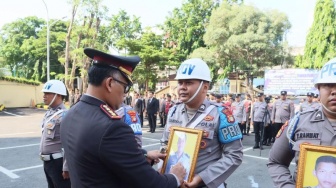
{"x":202,"y":107}
{"x":109,"y":112}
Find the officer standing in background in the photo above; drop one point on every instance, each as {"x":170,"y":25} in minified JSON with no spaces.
{"x":316,"y":98}
{"x":152,"y":111}
{"x":54,"y":164}
{"x":268,"y":128}
{"x":221,"y":150}
{"x":258,"y":113}
{"x":248,"y":105}
{"x":283,"y":110}
{"x":317,"y":127}
{"x":166,"y":106}
{"x":139,"y":106}
{"x":239,"y":113}
{"x":100,"y":148}
{"x":309,"y":104}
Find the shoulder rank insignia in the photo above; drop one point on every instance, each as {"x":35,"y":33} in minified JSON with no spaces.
{"x":228,"y":114}
{"x":132,"y":113}
{"x":109,"y":112}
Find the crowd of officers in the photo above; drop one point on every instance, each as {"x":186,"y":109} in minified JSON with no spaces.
{"x":265,"y":114}
{"x":101,"y":132}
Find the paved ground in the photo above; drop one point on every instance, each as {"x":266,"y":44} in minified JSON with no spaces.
{"x":20,"y":165}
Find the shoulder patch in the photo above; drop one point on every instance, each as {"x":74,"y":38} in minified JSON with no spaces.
{"x":109,"y":112}
{"x":228,"y":113}
{"x":133,"y":115}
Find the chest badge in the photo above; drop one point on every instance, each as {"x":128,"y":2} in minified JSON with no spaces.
{"x":208,"y":118}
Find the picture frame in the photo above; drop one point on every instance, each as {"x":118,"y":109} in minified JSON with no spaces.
{"x":183,"y":147}
{"x":316,"y":163}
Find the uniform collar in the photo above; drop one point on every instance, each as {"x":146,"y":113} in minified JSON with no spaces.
{"x":201,"y":108}
{"x":60,"y":106}
{"x":92,"y":100}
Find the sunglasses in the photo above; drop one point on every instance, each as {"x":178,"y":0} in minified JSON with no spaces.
{"x":127,"y":87}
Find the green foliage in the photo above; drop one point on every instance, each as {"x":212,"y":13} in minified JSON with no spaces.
{"x":245,"y":38}
{"x":321,"y":40}
{"x":20,"y":80}
{"x":185,"y":26}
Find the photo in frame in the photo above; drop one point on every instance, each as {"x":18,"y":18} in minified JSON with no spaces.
{"x":183,"y":147}
{"x":317,"y":166}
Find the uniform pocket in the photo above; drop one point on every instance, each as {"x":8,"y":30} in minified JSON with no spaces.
{"x":50,"y":130}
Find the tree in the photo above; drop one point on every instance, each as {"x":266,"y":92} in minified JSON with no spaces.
{"x":321,"y":39}
{"x":244,"y":37}
{"x":13,"y":36}
{"x":186,"y":26}
{"x":153,"y":56}
{"x":122,"y":29}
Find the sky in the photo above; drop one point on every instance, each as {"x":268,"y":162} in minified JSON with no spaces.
{"x":152,"y":12}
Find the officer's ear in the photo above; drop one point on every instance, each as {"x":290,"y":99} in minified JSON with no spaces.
{"x":108,"y":84}
{"x":206,"y":85}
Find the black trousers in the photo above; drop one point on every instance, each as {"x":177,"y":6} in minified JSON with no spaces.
{"x":53,"y":170}
{"x":258,"y":128}
{"x":275,"y":129}
{"x":162,"y":118}
{"x":152,"y":122}
{"x":141,"y":118}
{"x":267,"y":134}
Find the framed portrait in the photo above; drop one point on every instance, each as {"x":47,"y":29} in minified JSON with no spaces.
{"x":183,"y":147}
{"x":317,"y":166}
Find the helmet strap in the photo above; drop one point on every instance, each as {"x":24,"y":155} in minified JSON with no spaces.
{"x":197,"y":91}
{"x":331,"y":112}
{"x":52,"y":101}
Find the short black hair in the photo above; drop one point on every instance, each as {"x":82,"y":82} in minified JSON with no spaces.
{"x":325,"y":159}
{"x":98,"y":73}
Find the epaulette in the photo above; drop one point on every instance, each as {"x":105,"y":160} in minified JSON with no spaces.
{"x":109,"y":112}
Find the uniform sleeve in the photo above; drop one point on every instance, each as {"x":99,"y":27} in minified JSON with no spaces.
{"x":216,"y":173}
{"x":280,"y":158}
{"x":252,"y":113}
{"x":119,"y":151}
{"x":273,"y":112}
{"x":292,"y":110}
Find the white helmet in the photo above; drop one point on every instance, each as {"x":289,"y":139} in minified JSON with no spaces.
{"x":54,"y":86}
{"x":193,"y":69}
{"x":327,"y":74}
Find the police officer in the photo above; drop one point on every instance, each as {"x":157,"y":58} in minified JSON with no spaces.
{"x":100,"y":148}
{"x":283,"y":110}
{"x":258,"y":114}
{"x":55,"y":167}
{"x":314,"y":127}
{"x":309,"y":104}
{"x":316,"y":98}
{"x":248,"y":105}
{"x":239,"y":113}
{"x":221,"y":150}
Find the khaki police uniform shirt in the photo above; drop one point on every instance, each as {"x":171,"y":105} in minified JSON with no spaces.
{"x":216,"y":161}
{"x":309,"y":106}
{"x":282,"y":111}
{"x":258,"y":112}
{"x":313,"y":128}
{"x":51,"y":137}
{"x":239,"y":111}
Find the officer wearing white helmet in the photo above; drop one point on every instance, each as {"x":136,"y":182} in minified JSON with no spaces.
{"x":221,"y":149}
{"x":51,"y":153}
{"x":316,"y":127}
